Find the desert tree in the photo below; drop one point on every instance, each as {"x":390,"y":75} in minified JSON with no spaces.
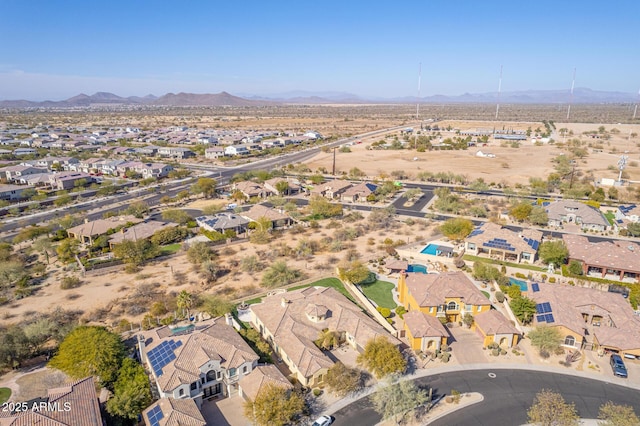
{"x":555,"y":252}
{"x":343,"y":380}
{"x":612,"y":414}
{"x":131,"y":391}
{"x":397,"y":399}
{"x":279,"y":274}
{"x":274,"y":405}
{"x":550,"y":409}
{"x":381,"y":358}
{"x":546,"y":339}
{"x":456,"y":228}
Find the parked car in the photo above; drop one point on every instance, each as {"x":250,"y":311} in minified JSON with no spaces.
{"x":323,"y":421}
{"x":618,"y":367}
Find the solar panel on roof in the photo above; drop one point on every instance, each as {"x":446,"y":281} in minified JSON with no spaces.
{"x":541,"y":318}
{"x":535,"y":287}
{"x":162,"y":355}
{"x":155,"y":415}
{"x":547,"y":306}
{"x":549,"y":317}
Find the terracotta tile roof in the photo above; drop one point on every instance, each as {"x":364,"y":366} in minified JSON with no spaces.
{"x":258,"y":210}
{"x":619,"y":326}
{"x":176,"y":412}
{"x":433,"y":289}
{"x":76,"y":404}
{"x":393,"y":263}
{"x":294,"y":331}
{"x":423,"y":325}
{"x":589,"y":215}
{"x":624,"y":255}
{"x":250,"y":188}
{"x":211,"y":340}
{"x":140,"y":231}
{"x":361,"y":190}
{"x":101,"y":226}
{"x":490,"y":231}
{"x":493,"y":322}
{"x":259,"y":377}
{"x":335,"y":186}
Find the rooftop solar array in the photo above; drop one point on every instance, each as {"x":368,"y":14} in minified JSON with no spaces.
{"x":627,"y":209}
{"x":499,"y":243}
{"x":155,"y":415}
{"x":475,"y":232}
{"x":543,"y":308}
{"x":162,"y":355}
{"x":534,"y":244}
{"x":548,"y":318}
{"x":535,"y":287}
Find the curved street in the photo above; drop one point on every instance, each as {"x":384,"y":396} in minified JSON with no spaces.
{"x":507,"y":397}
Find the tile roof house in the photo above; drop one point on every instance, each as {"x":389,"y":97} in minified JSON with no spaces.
{"x":251,"y":189}
{"x":206,"y":360}
{"x":173,"y":412}
{"x":262,"y":375}
{"x":569,"y":211}
{"x":75,"y":404}
{"x":492,"y":240}
{"x":613,"y":260}
{"x":68,"y":180}
{"x":630,"y":213}
{"x":221,"y":222}
{"x":278,"y":219}
{"x":424,"y":332}
{"x":359,"y":192}
{"x":88,"y":231}
{"x":292,"y":321}
{"x":292,"y":187}
{"x":494,"y":327}
{"x":140,"y":231}
{"x":588,"y":317}
{"x":450,"y":295}
{"x":332,"y":189}
{"x":12,"y":192}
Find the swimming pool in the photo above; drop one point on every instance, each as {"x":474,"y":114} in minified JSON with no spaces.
{"x":519,"y":283}
{"x":181,"y":329}
{"x":431,"y":249}
{"x":417,"y":268}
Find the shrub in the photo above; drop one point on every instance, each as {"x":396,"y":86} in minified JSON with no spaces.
{"x":445,"y":357}
{"x":385,"y":312}
{"x":495,"y":352}
{"x":545,"y":354}
{"x":500,"y":296}
{"x":400,"y":311}
{"x":552,"y":280}
{"x":456,"y":396}
{"x":70,"y":282}
{"x":317,"y":392}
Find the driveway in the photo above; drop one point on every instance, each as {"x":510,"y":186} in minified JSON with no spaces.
{"x":225,"y":412}
{"x":467,"y":346}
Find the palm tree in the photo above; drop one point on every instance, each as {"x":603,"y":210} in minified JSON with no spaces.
{"x":328,"y":339}
{"x":184,"y":301}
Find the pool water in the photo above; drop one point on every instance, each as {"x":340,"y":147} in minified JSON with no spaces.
{"x":519,"y":283}
{"x":181,"y":329}
{"x":417,"y":268}
{"x":430,"y":249}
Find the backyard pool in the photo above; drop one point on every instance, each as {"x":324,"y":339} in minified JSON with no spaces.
{"x":181,"y":329}
{"x":417,"y":268}
{"x":431,"y":249}
{"x":519,"y":283}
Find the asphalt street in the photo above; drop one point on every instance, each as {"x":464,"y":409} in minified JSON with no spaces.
{"x":507,"y":397}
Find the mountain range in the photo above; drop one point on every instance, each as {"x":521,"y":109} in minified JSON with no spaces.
{"x":579,"y":96}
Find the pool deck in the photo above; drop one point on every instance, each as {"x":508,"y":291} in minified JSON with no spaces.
{"x":433,"y":263}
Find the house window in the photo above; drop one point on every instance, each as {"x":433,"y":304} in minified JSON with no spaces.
{"x":244,"y":370}
{"x":211,"y":375}
{"x":570,"y":341}
{"x":219,"y":375}
{"x":181,"y":392}
{"x":194,"y":386}
{"x":431,"y":310}
{"x":472,"y":246}
{"x":232,"y":372}
{"x":452,"y":306}
{"x":478,"y":308}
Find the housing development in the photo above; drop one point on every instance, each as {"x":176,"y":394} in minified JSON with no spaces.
{"x":216,"y":270}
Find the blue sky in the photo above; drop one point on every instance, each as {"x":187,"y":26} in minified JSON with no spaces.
{"x":57,"y":49}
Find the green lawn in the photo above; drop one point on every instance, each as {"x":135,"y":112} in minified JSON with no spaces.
{"x":5,"y":393}
{"x":499,"y":262}
{"x":170,"y":249}
{"x":611,"y":217}
{"x":487,"y":295}
{"x":380,"y":293}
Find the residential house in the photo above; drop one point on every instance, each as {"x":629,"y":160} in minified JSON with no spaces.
{"x":395,"y":266}
{"x":88,"y":231}
{"x":170,"y":411}
{"x":201,"y":361}
{"x":139,"y":231}
{"x":221,"y":222}
{"x":232,"y":150}
{"x":359,"y":192}
{"x":175,"y":152}
{"x":24,"y":151}
{"x":214,"y":152}
{"x":613,"y":260}
{"x":251,"y":385}
{"x":38,"y":179}
{"x":12,"y":192}
{"x":313,"y":135}
{"x":14,"y":173}
{"x":630,"y":213}
{"x":149,"y":150}
{"x":493,"y":327}
{"x":292,"y":187}
{"x":450,"y":295}
{"x":69,"y":180}
{"x":332,"y":189}
{"x":251,"y":189}
{"x":424,"y":332}
{"x":278,"y":218}
{"x":74,"y":404}
{"x":292,"y":321}
{"x":494,"y":241}
{"x":569,"y":211}
{"x":587,"y":318}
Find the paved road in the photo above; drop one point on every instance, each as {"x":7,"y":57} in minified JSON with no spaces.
{"x":506,"y":397}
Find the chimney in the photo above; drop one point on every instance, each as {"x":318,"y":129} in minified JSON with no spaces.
{"x":86,"y":220}
{"x":123,"y":230}
{"x":141,"y":346}
{"x":284,"y":302}
{"x":228,"y":319}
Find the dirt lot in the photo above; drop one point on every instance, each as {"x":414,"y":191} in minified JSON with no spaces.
{"x":510,"y":165}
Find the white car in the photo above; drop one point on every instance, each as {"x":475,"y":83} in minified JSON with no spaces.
{"x":323,"y":421}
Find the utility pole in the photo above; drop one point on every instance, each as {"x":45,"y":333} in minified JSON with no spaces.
{"x":333,"y":171}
